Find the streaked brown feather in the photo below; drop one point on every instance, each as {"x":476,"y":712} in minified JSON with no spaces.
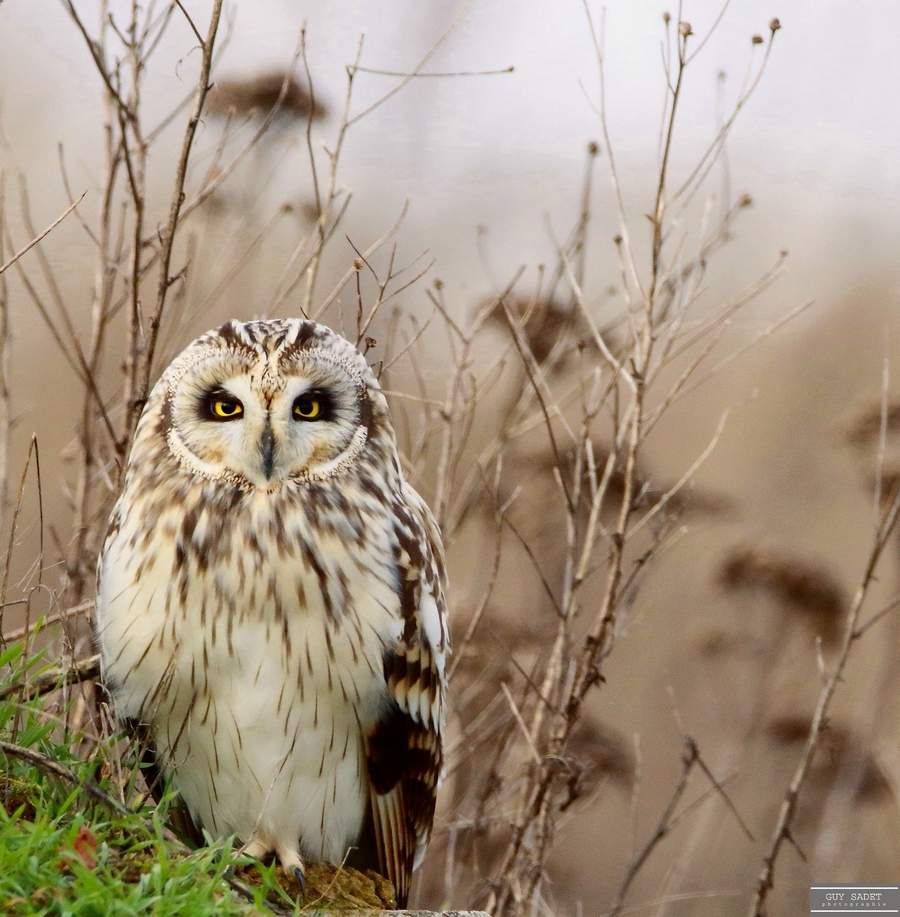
{"x":404,"y":750}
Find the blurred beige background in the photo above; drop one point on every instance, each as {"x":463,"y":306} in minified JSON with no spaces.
{"x":817,"y":147}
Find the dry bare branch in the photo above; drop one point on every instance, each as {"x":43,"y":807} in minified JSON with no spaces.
{"x":41,"y":235}
{"x":782,"y":830}
{"x":136,"y":403}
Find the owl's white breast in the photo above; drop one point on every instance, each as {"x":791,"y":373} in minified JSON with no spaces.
{"x":252,"y":645}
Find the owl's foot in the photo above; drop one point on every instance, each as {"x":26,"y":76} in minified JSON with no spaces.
{"x":256,"y":849}
{"x":292,"y":863}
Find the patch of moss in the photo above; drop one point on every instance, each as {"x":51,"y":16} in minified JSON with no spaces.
{"x":15,"y":796}
{"x":333,"y":888}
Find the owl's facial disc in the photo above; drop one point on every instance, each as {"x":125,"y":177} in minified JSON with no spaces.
{"x":267,"y":425}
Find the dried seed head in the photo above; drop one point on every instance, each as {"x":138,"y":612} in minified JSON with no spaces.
{"x":438,"y":283}
{"x":593,"y":148}
{"x":716,"y":643}
{"x":837,"y":748}
{"x":684,"y":29}
{"x":756,"y":40}
{"x":487,"y":663}
{"x":545,"y":321}
{"x":890,"y":486}
{"x":647,"y":492}
{"x":874,"y":784}
{"x":801,"y":588}
{"x":774,"y":25}
{"x":865,"y":428}
{"x":745,"y":200}
{"x":357,"y":264}
{"x":259,"y":95}
{"x":309,"y":211}
{"x":789,"y":730}
{"x":617,"y":239}
{"x":667,"y":18}
{"x":603,"y":752}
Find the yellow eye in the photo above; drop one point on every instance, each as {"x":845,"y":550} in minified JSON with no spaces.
{"x":307,"y":407}
{"x":227,"y":409}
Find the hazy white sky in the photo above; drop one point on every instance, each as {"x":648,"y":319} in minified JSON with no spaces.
{"x":818,"y":146}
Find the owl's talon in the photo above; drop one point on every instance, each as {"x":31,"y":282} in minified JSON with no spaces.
{"x":292,"y":864}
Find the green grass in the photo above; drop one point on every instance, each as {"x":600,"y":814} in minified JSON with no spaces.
{"x":42,"y":871}
{"x":63,"y":851}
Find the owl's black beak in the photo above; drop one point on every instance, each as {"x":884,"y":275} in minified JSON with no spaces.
{"x":267,"y":451}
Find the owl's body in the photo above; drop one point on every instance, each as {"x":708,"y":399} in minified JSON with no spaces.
{"x":271,"y":601}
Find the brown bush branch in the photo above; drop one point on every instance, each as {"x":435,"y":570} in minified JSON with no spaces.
{"x":136,"y":403}
{"x":52,"y":680}
{"x":44,"y":763}
{"x":782,"y":829}
{"x":41,"y":236}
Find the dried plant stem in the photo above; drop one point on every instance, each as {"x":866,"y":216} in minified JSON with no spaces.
{"x":782,"y":829}
{"x":618,"y":383}
{"x":44,"y":763}
{"x":59,"y":676}
{"x":20,"y":493}
{"x":136,"y":403}
{"x":324,"y":208}
{"x":46,"y":621}
{"x":5,"y":411}
{"x":688,"y":761}
{"x":40,"y":236}
{"x":105,"y":275}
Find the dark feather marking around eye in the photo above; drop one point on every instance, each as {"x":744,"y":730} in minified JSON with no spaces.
{"x":326,"y":403}
{"x":210,"y":397}
{"x":365,"y":413}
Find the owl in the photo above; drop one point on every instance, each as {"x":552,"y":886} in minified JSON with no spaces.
{"x":271,"y":603}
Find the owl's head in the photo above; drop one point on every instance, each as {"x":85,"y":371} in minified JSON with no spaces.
{"x":264,"y":402}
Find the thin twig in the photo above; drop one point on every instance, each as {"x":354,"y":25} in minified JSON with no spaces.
{"x":782,"y":829}
{"x":46,"y":621}
{"x":63,"y":773}
{"x":168,"y":234}
{"x":190,"y":21}
{"x":688,"y":761}
{"x":419,"y":75}
{"x":41,"y":235}
{"x":56,"y":678}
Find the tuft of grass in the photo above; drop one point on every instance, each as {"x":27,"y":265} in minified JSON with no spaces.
{"x":65,"y":860}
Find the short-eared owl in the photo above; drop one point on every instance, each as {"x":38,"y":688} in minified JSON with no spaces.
{"x":271,"y":608}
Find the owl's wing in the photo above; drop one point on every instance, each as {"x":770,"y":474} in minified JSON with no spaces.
{"x":404,"y":748}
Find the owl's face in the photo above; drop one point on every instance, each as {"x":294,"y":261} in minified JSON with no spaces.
{"x":253,"y":407}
